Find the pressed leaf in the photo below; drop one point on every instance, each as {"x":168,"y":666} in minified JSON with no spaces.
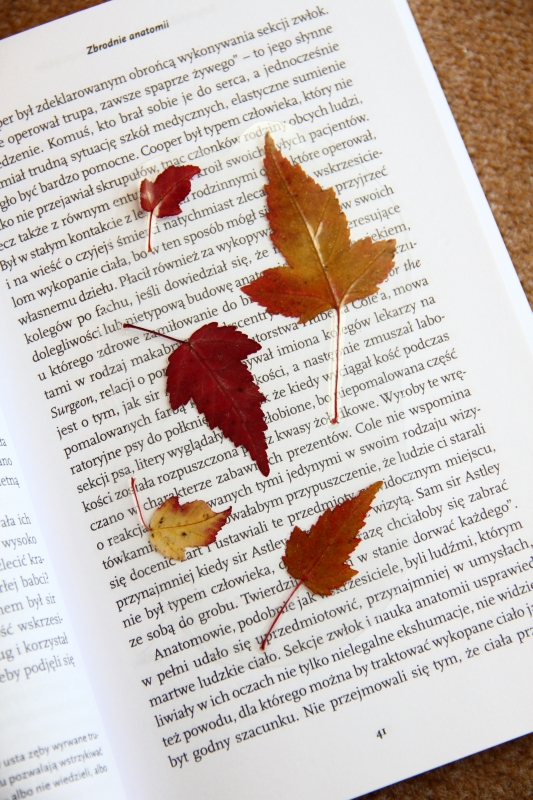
{"x":325,"y":270}
{"x":163,"y":196}
{"x":209,"y":369}
{"x":174,"y":526}
{"x":318,"y":558}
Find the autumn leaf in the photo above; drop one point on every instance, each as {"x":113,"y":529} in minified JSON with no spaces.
{"x":163,"y":196}
{"x":175,"y":527}
{"x":325,"y":270}
{"x":209,"y":369}
{"x":318,"y":558}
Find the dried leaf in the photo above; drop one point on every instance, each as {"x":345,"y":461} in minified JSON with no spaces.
{"x":209,"y":369}
{"x":163,"y":196}
{"x":175,"y":527}
{"x":318,"y":558}
{"x":325,"y":270}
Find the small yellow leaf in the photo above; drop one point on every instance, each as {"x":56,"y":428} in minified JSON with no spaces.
{"x":174,"y":527}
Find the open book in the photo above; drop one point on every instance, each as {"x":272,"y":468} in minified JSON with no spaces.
{"x":127,"y":674}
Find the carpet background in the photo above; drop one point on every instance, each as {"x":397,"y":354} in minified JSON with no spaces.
{"x":482,"y":51}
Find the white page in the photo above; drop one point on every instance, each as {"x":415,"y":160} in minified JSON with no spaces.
{"x":51,"y":733}
{"x":434,"y":704}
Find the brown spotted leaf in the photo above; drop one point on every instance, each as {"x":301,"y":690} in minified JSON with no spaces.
{"x":174,"y":526}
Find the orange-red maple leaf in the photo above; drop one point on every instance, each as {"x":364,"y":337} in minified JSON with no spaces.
{"x":325,"y":270}
{"x":318,"y":558}
{"x":163,"y":196}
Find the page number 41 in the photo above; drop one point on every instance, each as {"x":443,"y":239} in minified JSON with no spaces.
{"x":381,"y":733}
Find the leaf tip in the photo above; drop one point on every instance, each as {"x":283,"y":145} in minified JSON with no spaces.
{"x":264,"y":467}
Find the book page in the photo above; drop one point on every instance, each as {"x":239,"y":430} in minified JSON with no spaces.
{"x":400,"y":670}
{"x":51,"y":734}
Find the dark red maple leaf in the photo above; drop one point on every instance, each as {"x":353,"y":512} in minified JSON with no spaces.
{"x":209,"y":369}
{"x":318,"y":558}
{"x":163,"y":196}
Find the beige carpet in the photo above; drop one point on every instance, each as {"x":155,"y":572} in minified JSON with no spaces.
{"x":482,"y":51}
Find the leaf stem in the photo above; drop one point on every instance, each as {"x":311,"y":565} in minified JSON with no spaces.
{"x":337,"y":366}
{"x":278,"y":615}
{"x":139,"y":509}
{"x":154,"y":333}
{"x":150,"y":232}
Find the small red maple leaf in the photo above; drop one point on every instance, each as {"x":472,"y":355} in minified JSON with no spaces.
{"x":318,"y":558}
{"x":163,"y":196}
{"x":209,"y":369}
